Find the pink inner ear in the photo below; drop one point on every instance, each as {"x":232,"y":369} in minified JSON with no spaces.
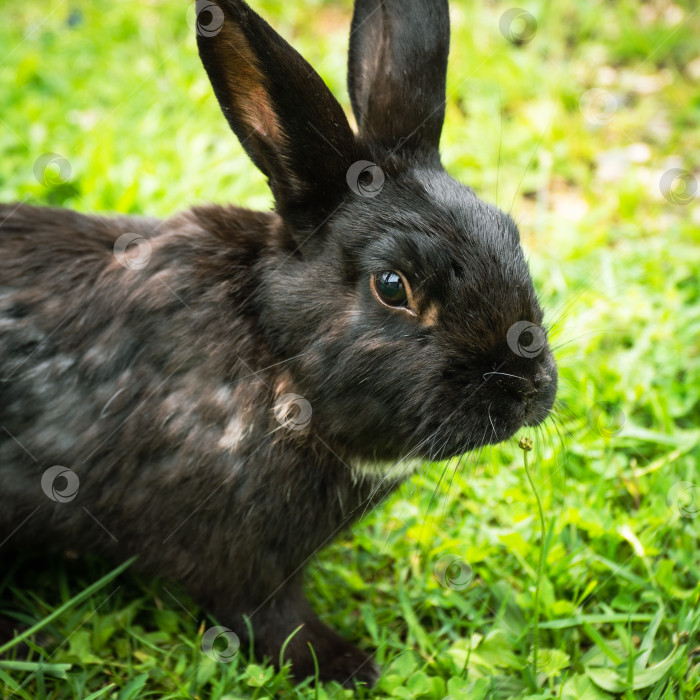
{"x":259,"y":114}
{"x":246,"y":85}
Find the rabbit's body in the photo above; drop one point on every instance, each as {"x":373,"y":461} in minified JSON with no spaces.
{"x":235,"y":397}
{"x":122,"y":376}
{"x":135,"y":397}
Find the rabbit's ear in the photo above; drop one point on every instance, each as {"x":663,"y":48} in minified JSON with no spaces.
{"x":279,"y":107}
{"x":397,"y":73}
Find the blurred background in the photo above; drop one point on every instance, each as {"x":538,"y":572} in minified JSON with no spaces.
{"x":582,"y":119}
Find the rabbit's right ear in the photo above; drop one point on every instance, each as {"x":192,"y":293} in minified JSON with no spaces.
{"x":397,"y":73}
{"x":286,"y":118}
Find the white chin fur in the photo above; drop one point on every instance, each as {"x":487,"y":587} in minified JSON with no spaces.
{"x":390,"y":470}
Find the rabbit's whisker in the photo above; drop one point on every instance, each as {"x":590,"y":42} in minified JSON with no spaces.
{"x":505,"y":374}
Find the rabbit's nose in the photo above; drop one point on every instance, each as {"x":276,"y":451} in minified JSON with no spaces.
{"x":526,"y":389}
{"x":529,"y":387}
{"x":541,"y":379}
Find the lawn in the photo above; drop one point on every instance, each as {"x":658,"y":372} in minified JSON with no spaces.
{"x":583,"y":118}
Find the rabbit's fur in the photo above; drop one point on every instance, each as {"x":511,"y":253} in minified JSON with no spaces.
{"x":169,"y":390}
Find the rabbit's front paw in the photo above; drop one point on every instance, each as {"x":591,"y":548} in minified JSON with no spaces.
{"x":347,"y":666}
{"x":336,"y":659}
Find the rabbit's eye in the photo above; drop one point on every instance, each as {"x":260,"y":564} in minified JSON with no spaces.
{"x":390,"y":289}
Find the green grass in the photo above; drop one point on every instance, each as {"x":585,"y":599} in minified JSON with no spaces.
{"x":117,"y":90}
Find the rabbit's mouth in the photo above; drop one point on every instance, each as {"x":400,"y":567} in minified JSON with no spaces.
{"x":537,"y":410}
{"x":511,"y":398}
{"x":500,"y":425}
{"x":523,"y":402}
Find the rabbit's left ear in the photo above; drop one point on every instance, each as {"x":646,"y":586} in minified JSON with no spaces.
{"x":397,"y":74}
{"x":285,"y":117}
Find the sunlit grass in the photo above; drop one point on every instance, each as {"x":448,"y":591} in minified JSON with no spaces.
{"x":117,"y":90}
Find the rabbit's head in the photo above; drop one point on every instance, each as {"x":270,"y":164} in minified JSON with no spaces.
{"x":401,"y":303}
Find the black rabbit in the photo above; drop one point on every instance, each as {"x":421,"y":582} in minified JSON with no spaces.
{"x":226,"y":390}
